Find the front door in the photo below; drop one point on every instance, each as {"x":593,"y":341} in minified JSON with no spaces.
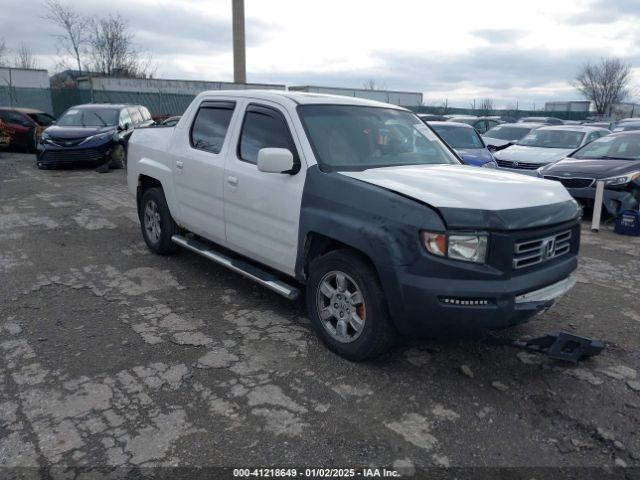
{"x":262,"y":210}
{"x":199,"y":169}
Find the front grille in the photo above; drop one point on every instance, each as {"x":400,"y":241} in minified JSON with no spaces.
{"x":519,"y":165}
{"x":531,"y":252}
{"x":71,"y":156}
{"x":573,"y":182}
{"x":67,"y":142}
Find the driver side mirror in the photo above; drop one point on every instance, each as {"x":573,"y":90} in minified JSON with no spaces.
{"x":275,"y":160}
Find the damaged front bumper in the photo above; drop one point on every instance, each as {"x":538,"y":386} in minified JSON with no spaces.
{"x":614,"y":201}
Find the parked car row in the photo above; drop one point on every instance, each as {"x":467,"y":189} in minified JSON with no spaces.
{"x":575,"y":155}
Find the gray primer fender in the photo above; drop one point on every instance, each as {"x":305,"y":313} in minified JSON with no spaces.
{"x":381,"y":224}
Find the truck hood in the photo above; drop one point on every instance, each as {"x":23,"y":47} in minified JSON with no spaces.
{"x":539,"y":155}
{"x":463,"y":186}
{"x":478,"y":198}
{"x":593,"y":168}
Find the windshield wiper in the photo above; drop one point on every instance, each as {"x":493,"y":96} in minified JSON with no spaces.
{"x":104,"y":124}
{"x":608,"y":157}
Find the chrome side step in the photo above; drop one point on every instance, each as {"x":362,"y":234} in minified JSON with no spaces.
{"x":252,"y":272}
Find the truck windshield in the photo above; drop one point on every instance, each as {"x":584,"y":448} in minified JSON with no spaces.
{"x":351,"y":137}
{"x":553,"y":139}
{"x":89,"y":117}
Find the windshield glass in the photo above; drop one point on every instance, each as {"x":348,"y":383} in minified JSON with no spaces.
{"x":459,"y":137}
{"x":553,"y":139}
{"x":504,"y":132}
{"x":623,"y":147}
{"x":468,"y":121}
{"x":85,"y":117}
{"x":350,"y":137}
{"x":42,"y":119}
{"x":626,"y":128}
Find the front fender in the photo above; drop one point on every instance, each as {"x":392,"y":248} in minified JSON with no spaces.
{"x":382,"y":225}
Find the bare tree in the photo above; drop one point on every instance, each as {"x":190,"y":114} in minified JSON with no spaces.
{"x":371,"y":84}
{"x":486,"y":106}
{"x":24,"y":57}
{"x":3,"y":53}
{"x":112,"y":51}
{"x":74,"y":26}
{"x":604,"y":83}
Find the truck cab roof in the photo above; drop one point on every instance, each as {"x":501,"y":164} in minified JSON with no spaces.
{"x":297,"y":98}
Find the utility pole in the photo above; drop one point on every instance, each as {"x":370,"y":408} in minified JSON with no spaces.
{"x":239,"y":54}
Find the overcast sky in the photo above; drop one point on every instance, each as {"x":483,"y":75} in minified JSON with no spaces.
{"x":525,"y":51}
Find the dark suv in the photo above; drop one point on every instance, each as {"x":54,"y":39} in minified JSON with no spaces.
{"x":24,"y":126}
{"x":92,"y":134}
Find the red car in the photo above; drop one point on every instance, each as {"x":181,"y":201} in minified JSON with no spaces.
{"x":25,"y":126}
{"x":5,"y":136}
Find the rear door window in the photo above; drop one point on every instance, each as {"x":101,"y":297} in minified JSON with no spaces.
{"x":210,"y":126}
{"x":145,"y":114}
{"x":135,"y":116}
{"x":263,"y":127}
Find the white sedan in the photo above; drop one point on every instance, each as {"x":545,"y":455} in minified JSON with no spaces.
{"x":546,"y":145}
{"x":500,"y":135}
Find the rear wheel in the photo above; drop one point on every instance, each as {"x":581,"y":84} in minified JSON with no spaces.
{"x":347,"y":306}
{"x":156,"y":222}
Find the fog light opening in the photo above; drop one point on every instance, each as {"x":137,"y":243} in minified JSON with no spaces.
{"x":466,"y":302}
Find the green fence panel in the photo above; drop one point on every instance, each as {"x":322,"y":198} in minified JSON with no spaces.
{"x":63,"y":98}
{"x":38,"y":98}
{"x":158,"y":103}
{"x":506,"y":113}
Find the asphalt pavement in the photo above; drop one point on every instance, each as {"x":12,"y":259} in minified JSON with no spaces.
{"x":112,"y":356}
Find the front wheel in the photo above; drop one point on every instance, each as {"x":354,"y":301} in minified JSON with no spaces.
{"x":347,"y":307}
{"x":156,"y":222}
{"x":118,"y":157}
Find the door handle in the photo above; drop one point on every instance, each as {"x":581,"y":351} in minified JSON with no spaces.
{"x":179,"y":164}
{"x":233,"y":181}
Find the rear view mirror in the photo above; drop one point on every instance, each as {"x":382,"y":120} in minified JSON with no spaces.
{"x":275,"y":160}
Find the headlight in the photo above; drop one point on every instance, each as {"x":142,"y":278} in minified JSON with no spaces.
{"x":99,"y":136}
{"x":468,"y":248}
{"x":490,"y":164}
{"x":45,"y":137}
{"x":539,"y":172}
{"x":622,"y":180}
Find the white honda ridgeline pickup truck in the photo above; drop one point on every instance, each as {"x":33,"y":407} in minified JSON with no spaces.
{"x":363,"y":205}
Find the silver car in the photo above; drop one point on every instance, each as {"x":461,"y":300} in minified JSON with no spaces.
{"x":501,"y":135}
{"x":546,"y":145}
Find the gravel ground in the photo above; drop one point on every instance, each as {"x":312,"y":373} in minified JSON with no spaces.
{"x":113,"y":356}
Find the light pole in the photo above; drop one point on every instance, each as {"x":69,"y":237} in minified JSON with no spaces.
{"x":239,"y":56}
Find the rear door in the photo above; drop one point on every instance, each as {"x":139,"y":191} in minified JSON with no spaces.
{"x":198,"y":169}
{"x":262,"y":210}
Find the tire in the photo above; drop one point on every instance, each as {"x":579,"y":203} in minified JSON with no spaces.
{"x":154,"y":214}
{"x":376,"y":333}
{"x":118,"y":157}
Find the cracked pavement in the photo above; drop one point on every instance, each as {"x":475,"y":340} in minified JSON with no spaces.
{"x":113,"y":356}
